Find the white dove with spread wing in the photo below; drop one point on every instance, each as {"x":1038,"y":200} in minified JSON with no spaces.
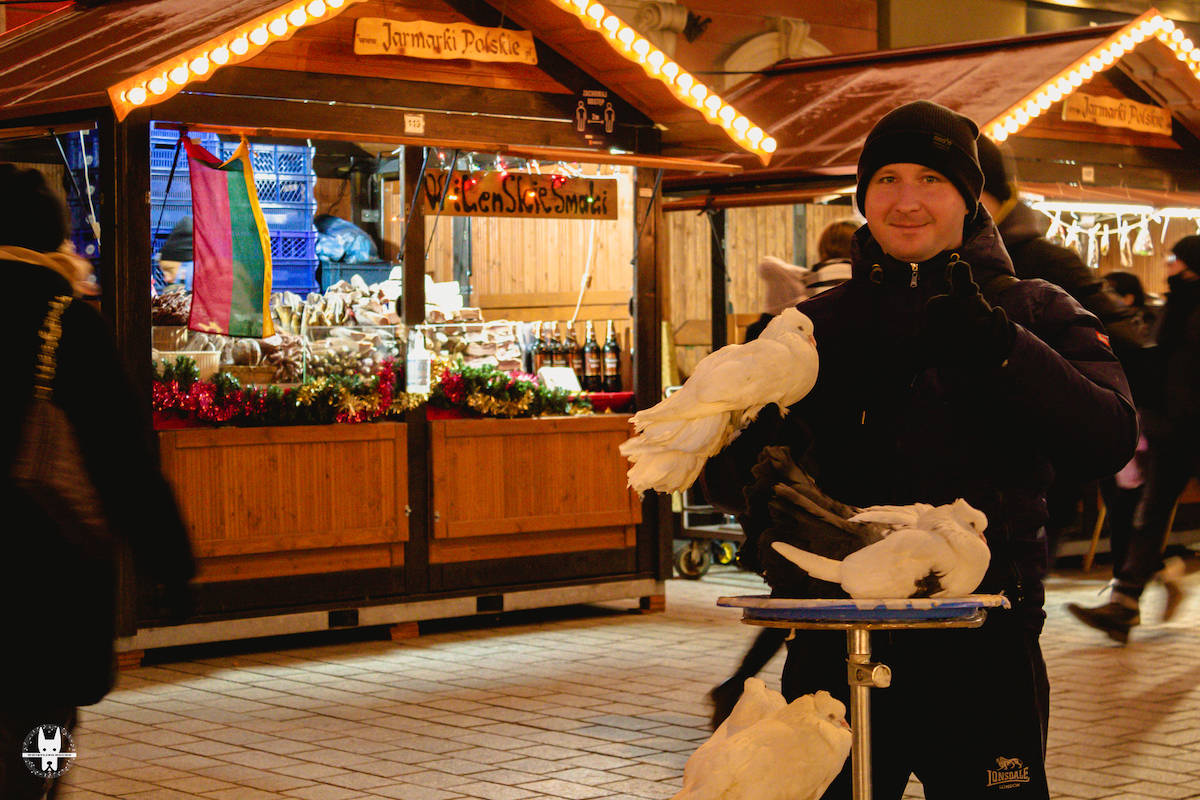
{"x":769,"y":749}
{"x":929,"y":551}
{"x":725,"y":393}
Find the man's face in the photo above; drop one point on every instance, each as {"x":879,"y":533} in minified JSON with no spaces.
{"x":914,"y":212}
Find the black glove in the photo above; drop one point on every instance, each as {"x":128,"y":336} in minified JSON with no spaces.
{"x":961,"y":330}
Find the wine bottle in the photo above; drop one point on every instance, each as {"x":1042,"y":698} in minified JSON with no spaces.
{"x":591,"y":380}
{"x":541,"y":352}
{"x":558,"y":351}
{"x":612,"y":361}
{"x":574,"y":352}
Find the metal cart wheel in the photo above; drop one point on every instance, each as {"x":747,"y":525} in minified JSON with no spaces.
{"x":693,"y":559}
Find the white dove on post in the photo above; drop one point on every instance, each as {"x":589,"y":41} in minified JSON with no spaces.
{"x":725,"y":393}
{"x":936,"y":551}
{"x":769,"y":749}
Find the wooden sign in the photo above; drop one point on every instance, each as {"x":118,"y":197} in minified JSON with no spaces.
{"x":519,"y":194}
{"x":423,"y":39}
{"x":1116,"y":112}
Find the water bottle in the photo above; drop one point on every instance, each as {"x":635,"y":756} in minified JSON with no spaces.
{"x":417,"y":365}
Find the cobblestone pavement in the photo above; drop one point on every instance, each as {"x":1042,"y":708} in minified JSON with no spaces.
{"x":580,"y":703}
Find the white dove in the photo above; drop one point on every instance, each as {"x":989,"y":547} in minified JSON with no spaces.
{"x":769,"y":749}
{"x":935,"y":552}
{"x":724,"y":394}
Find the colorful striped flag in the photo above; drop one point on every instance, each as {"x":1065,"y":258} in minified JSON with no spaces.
{"x":231,"y":278}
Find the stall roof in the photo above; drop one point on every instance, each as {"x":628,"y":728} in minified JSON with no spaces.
{"x":821,"y":110}
{"x":81,"y":57}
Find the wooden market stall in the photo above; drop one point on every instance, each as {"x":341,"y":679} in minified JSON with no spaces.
{"x":1102,"y":125}
{"x":309,"y":527}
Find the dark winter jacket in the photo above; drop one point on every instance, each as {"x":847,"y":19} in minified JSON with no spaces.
{"x":1171,"y":410}
{"x":1033,"y":256}
{"x":887,"y":429}
{"x":60,"y":607}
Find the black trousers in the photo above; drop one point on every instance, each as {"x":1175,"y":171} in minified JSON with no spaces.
{"x":967,"y":711}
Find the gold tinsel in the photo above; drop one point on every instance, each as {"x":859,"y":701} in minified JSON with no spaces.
{"x":490,"y":406}
{"x":406,"y":401}
{"x":306,"y":392}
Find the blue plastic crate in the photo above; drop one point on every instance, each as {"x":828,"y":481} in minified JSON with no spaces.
{"x":294,"y":276}
{"x":181,"y":187}
{"x":294,"y":246}
{"x":85,"y":243}
{"x":171,"y":213}
{"x":374,"y":272}
{"x":284,"y":159}
{"x":288,"y":218}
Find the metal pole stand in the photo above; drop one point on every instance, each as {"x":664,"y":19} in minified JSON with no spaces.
{"x":858,"y":618}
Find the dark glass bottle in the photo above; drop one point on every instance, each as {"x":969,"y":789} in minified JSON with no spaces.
{"x":612,"y":361}
{"x":574,"y":352}
{"x":558,"y":351}
{"x":541,"y":349}
{"x":591,"y":381}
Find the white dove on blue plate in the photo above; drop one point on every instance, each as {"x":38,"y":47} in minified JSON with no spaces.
{"x":927,"y":551}
{"x":769,"y":749}
{"x":725,"y":393}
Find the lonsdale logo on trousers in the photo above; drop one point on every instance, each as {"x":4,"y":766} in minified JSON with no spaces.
{"x":1009,"y":771}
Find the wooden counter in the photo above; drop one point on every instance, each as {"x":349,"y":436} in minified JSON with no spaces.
{"x":268,"y":502}
{"x":527,"y":487}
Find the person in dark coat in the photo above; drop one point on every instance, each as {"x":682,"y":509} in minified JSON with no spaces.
{"x":1033,"y":256}
{"x":1170,"y":414}
{"x":944,"y":377}
{"x":60,"y":604}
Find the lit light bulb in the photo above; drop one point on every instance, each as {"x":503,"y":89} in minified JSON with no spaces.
{"x":596,"y":13}
{"x":158,"y":85}
{"x":755,"y":135}
{"x":670,"y":70}
{"x":1075,"y":78}
{"x":179,"y":75}
{"x":137,"y":95}
{"x":1116,"y":50}
{"x":713,"y":104}
{"x":656,"y":59}
{"x":999,"y":133}
{"x":641,"y":47}
{"x":335,"y":3}
{"x":240,"y":46}
{"x":684,"y":82}
{"x":1043,"y":101}
{"x":199,"y":65}
{"x":1127,"y":42}
{"x":1138,"y":34}
{"x":1064,"y":86}
{"x":298,"y":16}
{"x":1086,"y":72}
{"x":611,"y":24}
{"x":1021,"y":117}
{"x":741,"y":124}
{"x":278,"y":26}
{"x":699,"y":92}
{"x":259,"y":35}
{"x":1032,"y":109}
{"x":220,"y":55}
{"x":768,"y":145}
{"x":1165,"y":25}
{"x":1011,"y":125}
{"x":727,"y":114}
{"x":1095,"y":63}
{"x":1107,"y":58}
{"x":316,"y":8}
{"x":1054,"y":94}
{"x":1194,"y":55}
{"x":582,"y":5}
{"x":1177,"y":34}
{"x":626,"y":36}
{"x":1186,"y":45}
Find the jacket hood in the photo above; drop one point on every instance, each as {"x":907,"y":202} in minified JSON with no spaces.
{"x":982,"y":248}
{"x":1021,"y":224}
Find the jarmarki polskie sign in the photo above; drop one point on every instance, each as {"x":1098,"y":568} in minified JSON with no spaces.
{"x":423,"y":39}
{"x":519,"y":194}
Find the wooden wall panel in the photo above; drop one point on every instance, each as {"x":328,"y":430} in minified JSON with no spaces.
{"x":257,"y":499}
{"x":750,"y":234}
{"x":512,"y":478}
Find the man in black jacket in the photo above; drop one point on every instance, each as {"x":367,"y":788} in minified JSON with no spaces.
{"x":930,"y":390}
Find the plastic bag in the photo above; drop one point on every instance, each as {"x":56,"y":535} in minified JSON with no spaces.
{"x":339,"y":240}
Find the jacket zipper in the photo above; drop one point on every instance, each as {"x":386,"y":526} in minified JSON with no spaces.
{"x":913,"y":283}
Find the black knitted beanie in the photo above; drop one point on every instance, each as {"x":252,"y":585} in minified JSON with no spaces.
{"x":928,"y":134}
{"x":1187,"y":250}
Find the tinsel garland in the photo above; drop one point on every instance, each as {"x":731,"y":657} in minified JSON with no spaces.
{"x":483,"y":391}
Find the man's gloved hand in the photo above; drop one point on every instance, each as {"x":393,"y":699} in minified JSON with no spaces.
{"x":961,"y":330}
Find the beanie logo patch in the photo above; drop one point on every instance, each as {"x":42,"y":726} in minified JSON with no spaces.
{"x":942,"y":142}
